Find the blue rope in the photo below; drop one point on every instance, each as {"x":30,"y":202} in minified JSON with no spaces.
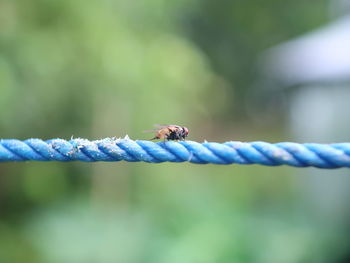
{"x":111,"y":150}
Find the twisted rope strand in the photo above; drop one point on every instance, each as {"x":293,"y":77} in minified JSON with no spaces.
{"x":112,"y":150}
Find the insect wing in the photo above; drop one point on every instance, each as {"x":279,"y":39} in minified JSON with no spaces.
{"x":158,"y":128}
{"x":150,"y":131}
{"x":161,"y":126}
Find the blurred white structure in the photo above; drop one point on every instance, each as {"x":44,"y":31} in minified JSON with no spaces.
{"x":320,"y":56}
{"x":315,"y":68}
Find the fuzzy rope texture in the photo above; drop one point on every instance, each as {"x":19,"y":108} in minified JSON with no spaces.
{"x":111,"y":150}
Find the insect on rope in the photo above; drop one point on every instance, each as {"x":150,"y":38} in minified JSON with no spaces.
{"x":170,"y":132}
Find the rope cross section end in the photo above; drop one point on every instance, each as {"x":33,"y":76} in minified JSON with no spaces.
{"x":112,"y":149}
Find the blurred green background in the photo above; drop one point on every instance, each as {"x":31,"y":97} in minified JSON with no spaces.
{"x":96,"y":69}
